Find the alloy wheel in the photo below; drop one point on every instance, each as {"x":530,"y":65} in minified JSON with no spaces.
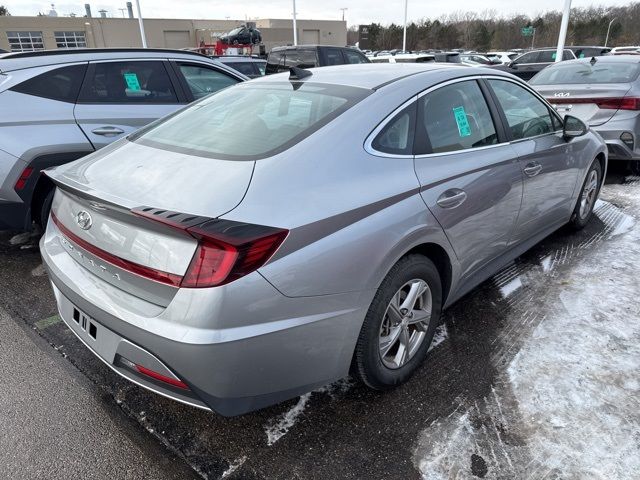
{"x":589,"y":194}
{"x":405,"y":323}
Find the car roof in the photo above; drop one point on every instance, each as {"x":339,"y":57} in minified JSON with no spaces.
{"x":373,"y":75}
{"x":16,"y":61}
{"x":603,"y":59}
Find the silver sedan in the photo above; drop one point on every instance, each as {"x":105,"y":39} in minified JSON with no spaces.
{"x":279,"y":234}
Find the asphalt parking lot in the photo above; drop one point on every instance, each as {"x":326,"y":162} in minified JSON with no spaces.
{"x":532,"y":375}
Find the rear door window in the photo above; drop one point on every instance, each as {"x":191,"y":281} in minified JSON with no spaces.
{"x":128,"y":82}
{"x":61,"y":84}
{"x":531,"y":57}
{"x":333,"y":56}
{"x":527,"y":116}
{"x":454,"y":117}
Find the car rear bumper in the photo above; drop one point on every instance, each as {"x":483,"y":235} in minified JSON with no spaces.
{"x":623,"y":122}
{"x":228,"y":370}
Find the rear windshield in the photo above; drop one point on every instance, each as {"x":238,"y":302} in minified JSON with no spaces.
{"x":583,"y":73}
{"x":251,"y":121}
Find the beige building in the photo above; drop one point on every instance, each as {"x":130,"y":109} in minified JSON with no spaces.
{"x":44,"y":32}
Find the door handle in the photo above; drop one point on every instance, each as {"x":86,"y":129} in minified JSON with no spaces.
{"x":532,"y":169}
{"x":107,"y":131}
{"x":452,"y":198}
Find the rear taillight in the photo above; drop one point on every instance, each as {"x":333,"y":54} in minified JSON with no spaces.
{"x":226,"y":251}
{"x":24,"y":176}
{"x":606,"y":103}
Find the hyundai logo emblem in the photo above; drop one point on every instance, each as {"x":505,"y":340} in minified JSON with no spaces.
{"x":83,"y":219}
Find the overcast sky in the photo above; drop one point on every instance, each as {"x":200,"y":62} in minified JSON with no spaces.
{"x":359,"y":11}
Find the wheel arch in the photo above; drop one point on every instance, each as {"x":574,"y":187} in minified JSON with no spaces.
{"x":440,"y":258}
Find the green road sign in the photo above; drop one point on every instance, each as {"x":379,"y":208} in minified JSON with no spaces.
{"x":527,"y":31}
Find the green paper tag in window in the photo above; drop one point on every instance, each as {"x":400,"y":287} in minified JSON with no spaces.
{"x":464,"y":129}
{"x":132,"y":81}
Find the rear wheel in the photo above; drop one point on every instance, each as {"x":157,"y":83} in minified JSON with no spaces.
{"x":400,"y":324}
{"x":588,"y":196}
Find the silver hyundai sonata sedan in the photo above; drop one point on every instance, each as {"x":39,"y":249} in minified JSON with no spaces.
{"x":281,"y":233}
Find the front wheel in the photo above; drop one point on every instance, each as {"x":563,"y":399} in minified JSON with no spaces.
{"x":400,"y":324}
{"x":588,"y":195}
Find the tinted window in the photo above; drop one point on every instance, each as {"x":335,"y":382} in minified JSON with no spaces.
{"x":527,"y":116}
{"x":276,"y":117}
{"x":354,"y":57}
{"x":455,"y":117}
{"x":128,"y":82}
{"x":307,"y":58}
{"x":203,"y":80}
{"x":397,"y":136}
{"x":60,"y":84}
{"x":244,"y":67}
{"x":549,"y":56}
{"x":531,"y":57}
{"x":583,"y":72}
{"x":275,"y":61}
{"x":334,"y":56}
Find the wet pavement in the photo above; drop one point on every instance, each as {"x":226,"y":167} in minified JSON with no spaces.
{"x":533,"y":375}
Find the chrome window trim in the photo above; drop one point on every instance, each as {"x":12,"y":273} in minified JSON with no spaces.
{"x":369,"y":141}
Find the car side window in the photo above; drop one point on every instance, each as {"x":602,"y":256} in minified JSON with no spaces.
{"x":61,"y":84}
{"x":454,"y":117}
{"x":397,"y":135}
{"x":527,"y":116}
{"x":531,"y":57}
{"x":128,"y":82}
{"x":274,"y":61}
{"x":334,"y":56}
{"x":354,"y":57}
{"x":204,"y":80}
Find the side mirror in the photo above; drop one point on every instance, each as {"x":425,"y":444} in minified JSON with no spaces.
{"x":513,"y":65}
{"x":574,"y":127}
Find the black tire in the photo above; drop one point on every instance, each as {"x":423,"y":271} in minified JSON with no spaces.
{"x":368,"y":364}
{"x":579,"y":218}
{"x":45,"y":208}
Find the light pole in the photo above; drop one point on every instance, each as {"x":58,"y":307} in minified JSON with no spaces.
{"x":144,"y":38}
{"x":343,"y":10}
{"x":295,"y":25}
{"x":606,"y":40}
{"x":404,"y":31}
{"x":563,"y":30}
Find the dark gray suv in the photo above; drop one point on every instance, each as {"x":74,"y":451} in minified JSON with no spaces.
{"x":62,"y":105}
{"x":307,"y":56}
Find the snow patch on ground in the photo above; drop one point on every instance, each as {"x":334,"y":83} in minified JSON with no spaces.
{"x":234,"y":466}
{"x":39,"y":271}
{"x":567,"y":405}
{"x":278,"y":428}
{"x":20,"y":238}
{"x":510,"y":287}
{"x":439,"y":336}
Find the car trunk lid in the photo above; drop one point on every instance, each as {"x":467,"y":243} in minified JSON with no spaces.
{"x":593,"y":104}
{"x":96,"y":212}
